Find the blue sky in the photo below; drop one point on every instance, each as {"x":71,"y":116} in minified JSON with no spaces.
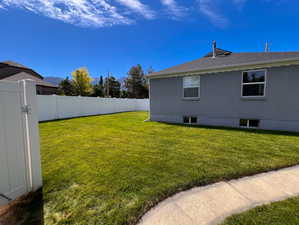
{"x":54,"y":37}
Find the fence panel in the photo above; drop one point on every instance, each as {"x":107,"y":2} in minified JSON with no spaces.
{"x":12,"y":149}
{"x":61,"y":107}
{"x":19,"y":140}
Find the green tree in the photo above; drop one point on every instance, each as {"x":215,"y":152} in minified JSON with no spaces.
{"x":112,"y":87}
{"x":124,"y":94}
{"x":98,"y":89}
{"x":101,"y":82}
{"x":136,"y":83}
{"x":66,"y":87}
{"x":82,"y":82}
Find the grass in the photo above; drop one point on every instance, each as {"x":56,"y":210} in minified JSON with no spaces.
{"x":278,"y":213}
{"x":111,"y":169}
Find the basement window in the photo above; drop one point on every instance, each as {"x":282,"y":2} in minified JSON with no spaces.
{"x":190,"y":120}
{"x":248,"y":123}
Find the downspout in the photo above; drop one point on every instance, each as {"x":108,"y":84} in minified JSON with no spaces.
{"x":149,"y":99}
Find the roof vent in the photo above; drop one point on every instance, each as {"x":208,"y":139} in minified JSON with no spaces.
{"x":214,"y":46}
{"x":267,"y":47}
{"x":217,"y":52}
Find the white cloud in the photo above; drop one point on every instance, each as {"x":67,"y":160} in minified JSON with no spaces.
{"x":214,"y":10}
{"x":101,"y":13}
{"x":209,"y":9}
{"x":138,"y":7}
{"x":96,"y":13}
{"x":173,"y":8}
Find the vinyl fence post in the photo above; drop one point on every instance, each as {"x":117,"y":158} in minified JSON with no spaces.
{"x":33,"y":142}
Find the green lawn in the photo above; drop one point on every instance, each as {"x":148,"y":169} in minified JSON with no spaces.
{"x":111,"y":169}
{"x":279,"y":213}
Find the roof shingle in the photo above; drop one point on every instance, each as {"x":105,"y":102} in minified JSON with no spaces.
{"x":232,"y":59}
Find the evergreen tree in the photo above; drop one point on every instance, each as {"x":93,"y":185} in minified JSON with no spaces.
{"x":112,"y":87}
{"x":98,"y":89}
{"x":124,"y":94}
{"x":101,"y":82}
{"x":136,"y":83}
{"x":66,"y":87}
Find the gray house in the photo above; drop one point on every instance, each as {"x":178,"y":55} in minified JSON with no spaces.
{"x":249,"y":90}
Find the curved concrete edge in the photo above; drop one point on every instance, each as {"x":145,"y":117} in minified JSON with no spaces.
{"x":211,"y":204}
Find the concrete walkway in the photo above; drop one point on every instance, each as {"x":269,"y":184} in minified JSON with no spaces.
{"x":213,"y":203}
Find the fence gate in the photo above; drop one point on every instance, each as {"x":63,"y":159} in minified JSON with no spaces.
{"x":19,"y":140}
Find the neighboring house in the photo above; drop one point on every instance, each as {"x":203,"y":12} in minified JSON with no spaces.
{"x":12,"y":71}
{"x":250,"y":90}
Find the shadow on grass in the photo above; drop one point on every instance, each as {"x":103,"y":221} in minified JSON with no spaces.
{"x":78,"y":117}
{"x":26,"y":210}
{"x":255,"y":131}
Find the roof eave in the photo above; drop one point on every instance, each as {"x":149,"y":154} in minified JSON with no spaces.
{"x":244,"y":66}
{"x":24,"y":69}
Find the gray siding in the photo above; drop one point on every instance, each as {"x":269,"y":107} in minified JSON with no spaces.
{"x":221,"y":103}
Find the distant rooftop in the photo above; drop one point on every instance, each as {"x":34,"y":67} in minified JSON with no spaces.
{"x":11,"y":63}
{"x":14,"y":71}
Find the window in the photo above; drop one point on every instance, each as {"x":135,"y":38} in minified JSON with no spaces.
{"x":191,"y":86}
{"x":243,"y":123}
{"x":186,"y":119}
{"x":193,"y":119}
{"x":254,"y":83}
{"x":254,"y":123}
{"x":246,"y":123}
{"x":190,"y":119}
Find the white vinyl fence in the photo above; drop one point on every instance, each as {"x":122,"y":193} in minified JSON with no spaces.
{"x":53,"y":107}
{"x":20,"y":169}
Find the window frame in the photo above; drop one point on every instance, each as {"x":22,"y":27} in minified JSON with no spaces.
{"x":254,"y":83}
{"x":192,"y":98}
{"x":248,"y":122}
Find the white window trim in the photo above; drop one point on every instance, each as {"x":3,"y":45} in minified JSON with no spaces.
{"x":192,"y":98}
{"x":248,"y":126}
{"x":264,"y":83}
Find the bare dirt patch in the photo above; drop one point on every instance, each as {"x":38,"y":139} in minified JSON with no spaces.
{"x":26,"y":210}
